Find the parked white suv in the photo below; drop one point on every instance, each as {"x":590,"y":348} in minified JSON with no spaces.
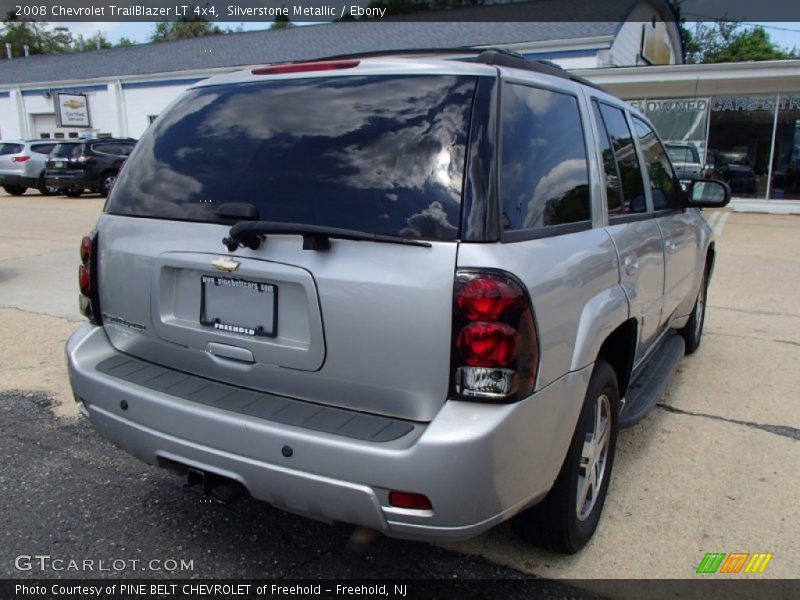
{"x":420,"y":296}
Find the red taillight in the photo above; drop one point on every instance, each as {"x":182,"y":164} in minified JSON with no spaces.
{"x":495,"y":346}
{"x":86,"y":249}
{"x":483,"y":299}
{"x":410,"y":500}
{"x":328,"y":65}
{"x":87,"y":279}
{"x":485,"y":344}
{"x":20,"y":159}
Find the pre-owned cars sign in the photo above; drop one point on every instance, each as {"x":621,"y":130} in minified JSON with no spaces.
{"x":72,"y":110}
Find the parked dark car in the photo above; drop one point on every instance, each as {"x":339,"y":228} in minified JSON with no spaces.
{"x":734,"y":168}
{"x":75,"y":166}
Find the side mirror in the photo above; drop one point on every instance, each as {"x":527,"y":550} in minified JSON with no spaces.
{"x":708,"y":193}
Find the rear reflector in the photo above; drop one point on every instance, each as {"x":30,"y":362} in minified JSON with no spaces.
{"x":410,"y":500}
{"x":330,"y":65}
{"x":19,"y":159}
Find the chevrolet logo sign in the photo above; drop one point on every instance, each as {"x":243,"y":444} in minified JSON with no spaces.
{"x":226,"y":265}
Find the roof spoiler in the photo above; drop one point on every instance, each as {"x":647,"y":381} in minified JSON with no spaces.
{"x":499,"y":57}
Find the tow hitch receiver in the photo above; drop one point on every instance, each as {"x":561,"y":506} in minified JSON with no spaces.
{"x":219,"y":489}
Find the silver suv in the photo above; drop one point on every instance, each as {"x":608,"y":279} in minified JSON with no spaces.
{"x":420,"y":296}
{"x":22,"y":166}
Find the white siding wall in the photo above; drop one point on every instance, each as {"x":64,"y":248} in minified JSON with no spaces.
{"x":9,"y":123}
{"x":628,"y":43}
{"x":141,"y":102}
{"x":101,"y":112}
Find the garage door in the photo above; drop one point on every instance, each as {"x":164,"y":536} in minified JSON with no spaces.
{"x":44,"y":126}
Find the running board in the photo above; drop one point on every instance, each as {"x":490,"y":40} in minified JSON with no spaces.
{"x":649,"y":384}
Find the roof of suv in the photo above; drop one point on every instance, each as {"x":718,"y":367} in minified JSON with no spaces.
{"x":462,"y":61}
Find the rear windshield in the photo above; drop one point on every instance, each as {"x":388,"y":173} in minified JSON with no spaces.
{"x":66,"y":150}
{"x":376,"y":154}
{"x":10,"y":148}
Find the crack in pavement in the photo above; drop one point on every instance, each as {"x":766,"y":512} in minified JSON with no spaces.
{"x":781,"y":430}
{"x":793,"y":343}
{"x":755,"y":312}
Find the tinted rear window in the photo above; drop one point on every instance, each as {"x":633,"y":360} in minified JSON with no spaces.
{"x":10,"y":149}
{"x":377,"y":154}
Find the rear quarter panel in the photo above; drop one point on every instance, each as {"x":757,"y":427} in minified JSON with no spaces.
{"x":573,"y":281}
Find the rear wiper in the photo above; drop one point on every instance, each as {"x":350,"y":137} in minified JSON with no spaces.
{"x":315,"y":237}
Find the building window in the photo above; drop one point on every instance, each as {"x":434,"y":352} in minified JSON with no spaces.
{"x":44,"y":136}
{"x":73,"y":134}
{"x":58,"y":136}
{"x":785,"y":182}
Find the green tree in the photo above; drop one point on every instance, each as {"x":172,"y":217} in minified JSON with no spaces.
{"x":730,"y":41}
{"x":281,"y":22}
{"x":98,"y":41}
{"x":123,"y":42}
{"x":165,"y":31}
{"x":39,"y":37}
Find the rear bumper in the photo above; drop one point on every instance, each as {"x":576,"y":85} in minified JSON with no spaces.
{"x":71,"y":180}
{"x":478,"y":464}
{"x":18,"y":179}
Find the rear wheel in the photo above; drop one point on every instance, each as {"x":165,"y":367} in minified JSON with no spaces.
{"x":693,"y":330}
{"x":567,"y":518}
{"x":46,"y":190}
{"x":73,"y":193}
{"x":15,"y":190}
{"x":107,"y":182}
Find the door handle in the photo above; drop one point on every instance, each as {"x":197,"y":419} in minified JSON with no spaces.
{"x":631,"y":264}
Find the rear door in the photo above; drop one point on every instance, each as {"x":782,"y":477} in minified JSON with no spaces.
{"x":362,"y":325}
{"x":631,"y":223}
{"x":681,"y":242}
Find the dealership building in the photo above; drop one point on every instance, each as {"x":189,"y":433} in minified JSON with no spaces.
{"x":743,"y":117}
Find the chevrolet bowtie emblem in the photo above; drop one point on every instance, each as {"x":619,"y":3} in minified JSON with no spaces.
{"x":223,"y":264}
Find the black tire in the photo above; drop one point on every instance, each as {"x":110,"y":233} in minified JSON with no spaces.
{"x":693,"y":330}
{"x":73,"y":193}
{"x":15,"y":190}
{"x":558,"y":522}
{"x":46,"y":190}
{"x":107,"y":181}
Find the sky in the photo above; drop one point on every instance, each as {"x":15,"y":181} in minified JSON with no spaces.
{"x":785,"y":34}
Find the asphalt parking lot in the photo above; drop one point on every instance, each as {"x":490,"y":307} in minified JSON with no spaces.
{"x":712,"y":469}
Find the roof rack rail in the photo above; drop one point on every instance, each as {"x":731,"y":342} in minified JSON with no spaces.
{"x":502,"y":57}
{"x":499,"y":57}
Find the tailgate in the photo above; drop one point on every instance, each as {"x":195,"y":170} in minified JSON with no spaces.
{"x":363,"y":325}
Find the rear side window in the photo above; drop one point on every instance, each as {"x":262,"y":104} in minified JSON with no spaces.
{"x":663,"y":183}
{"x":10,"y":148}
{"x":376,"y":154}
{"x":544,"y":177}
{"x":111,"y":149}
{"x":42,"y":148}
{"x":624,"y":186}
